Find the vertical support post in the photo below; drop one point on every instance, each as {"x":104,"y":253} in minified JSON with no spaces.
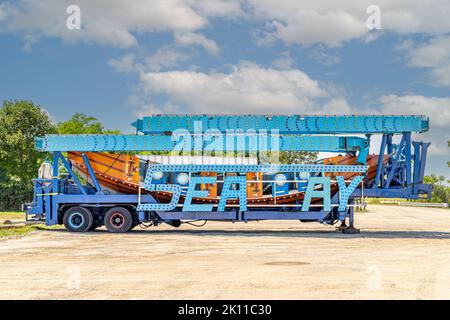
{"x":416,"y":170}
{"x":351,"y":219}
{"x":52,"y":216}
{"x":407,"y":136}
{"x":389,"y":151}
{"x":380,"y":162}
{"x":393,"y":169}
{"x":389,"y":144}
{"x":423,"y":160}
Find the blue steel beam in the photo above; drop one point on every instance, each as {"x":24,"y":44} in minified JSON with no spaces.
{"x":189,"y":143}
{"x":266,"y":168}
{"x":293,"y":124}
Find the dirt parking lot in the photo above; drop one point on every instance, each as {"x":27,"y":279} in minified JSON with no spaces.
{"x":402,"y":253}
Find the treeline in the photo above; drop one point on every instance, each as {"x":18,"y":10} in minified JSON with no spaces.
{"x":20,"y":122}
{"x":441,"y":188}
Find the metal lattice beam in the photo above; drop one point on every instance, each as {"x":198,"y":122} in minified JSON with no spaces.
{"x":293,"y":124}
{"x":189,"y":143}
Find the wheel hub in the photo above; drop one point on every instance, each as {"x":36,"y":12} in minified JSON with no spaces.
{"x":117,"y":220}
{"x":76,"y":220}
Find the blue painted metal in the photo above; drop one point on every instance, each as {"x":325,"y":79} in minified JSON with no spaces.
{"x":174,"y":189}
{"x":400,"y":176}
{"x":403,"y":168}
{"x":50,"y":202}
{"x":103,"y":199}
{"x":265,"y":168}
{"x":292,"y":124}
{"x":423,"y":190}
{"x":380,"y":161}
{"x":423,"y":160}
{"x":310,"y":193}
{"x":199,"y":215}
{"x":192,"y":192}
{"x":280,"y":215}
{"x":244,"y":216}
{"x":186,"y":142}
{"x":407,"y":158}
{"x":346,"y":191}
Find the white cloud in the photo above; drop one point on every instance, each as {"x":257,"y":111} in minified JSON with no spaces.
{"x":165,"y":57}
{"x":330,"y":22}
{"x":124,"y":64}
{"x":219,"y":8}
{"x":284,"y":61}
{"x":248,"y":88}
{"x":323,"y":56}
{"x":306,"y":27}
{"x":191,"y":38}
{"x":29,"y":40}
{"x":433,"y":55}
{"x":438,"y":109}
{"x":113,"y":22}
{"x":333,"y":22}
{"x":337,"y":105}
{"x":2,"y":12}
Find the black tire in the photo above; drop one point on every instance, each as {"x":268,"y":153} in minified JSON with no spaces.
{"x":78,"y":219}
{"x":118,"y":220}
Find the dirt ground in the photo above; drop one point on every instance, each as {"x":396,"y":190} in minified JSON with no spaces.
{"x":401,"y":253}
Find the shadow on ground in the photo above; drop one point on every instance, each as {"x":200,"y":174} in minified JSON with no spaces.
{"x":381,"y":234}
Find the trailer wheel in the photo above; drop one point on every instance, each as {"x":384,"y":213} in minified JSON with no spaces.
{"x":78,"y":219}
{"x":118,"y":220}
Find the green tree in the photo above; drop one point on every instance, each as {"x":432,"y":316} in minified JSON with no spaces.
{"x":297,"y":157}
{"x":441,"y":192}
{"x":20,"y":122}
{"x":83,"y":124}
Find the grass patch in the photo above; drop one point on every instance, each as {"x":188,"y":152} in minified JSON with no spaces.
{"x":12,"y":215}
{"x":21,"y":231}
{"x":44,"y":227}
{"x":15,"y":232}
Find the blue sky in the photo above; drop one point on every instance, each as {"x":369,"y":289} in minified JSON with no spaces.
{"x":230,"y":56}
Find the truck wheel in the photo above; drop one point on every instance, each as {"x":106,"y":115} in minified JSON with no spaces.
{"x":118,"y":220}
{"x":78,"y":219}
